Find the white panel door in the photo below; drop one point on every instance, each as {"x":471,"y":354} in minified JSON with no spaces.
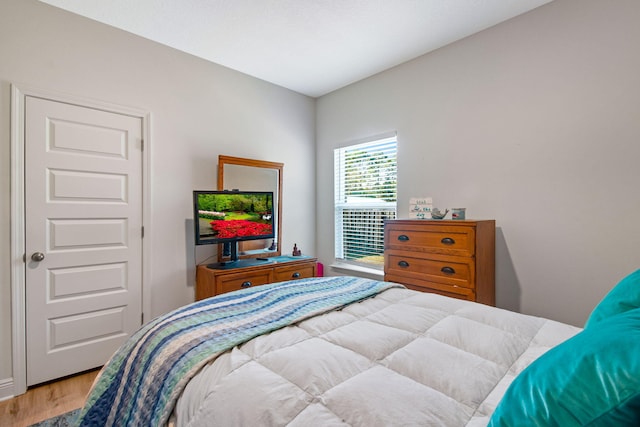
{"x":83,"y":216}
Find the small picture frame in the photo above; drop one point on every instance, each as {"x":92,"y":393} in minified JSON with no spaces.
{"x":420,"y":207}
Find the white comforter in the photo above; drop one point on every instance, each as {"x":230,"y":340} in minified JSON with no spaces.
{"x":402,"y":358}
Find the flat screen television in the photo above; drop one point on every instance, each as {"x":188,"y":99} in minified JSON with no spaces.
{"x":230,"y":217}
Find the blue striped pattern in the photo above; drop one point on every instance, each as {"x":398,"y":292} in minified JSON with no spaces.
{"x":143,"y":379}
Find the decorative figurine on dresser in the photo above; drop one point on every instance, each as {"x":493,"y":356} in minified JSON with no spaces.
{"x":296,"y":251}
{"x":455,"y":258}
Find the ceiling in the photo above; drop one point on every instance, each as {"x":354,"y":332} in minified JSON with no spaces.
{"x":310,"y":46}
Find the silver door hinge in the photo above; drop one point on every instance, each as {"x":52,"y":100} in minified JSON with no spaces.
{"x":142,"y":234}
{"x":142,"y":144}
{"x":142,"y":318}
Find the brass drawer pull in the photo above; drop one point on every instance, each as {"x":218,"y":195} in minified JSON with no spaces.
{"x":403,"y":263}
{"x":295,"y":275}
{"x":448,"y":241}
{"x":246,"y":284}
{"x":448,"y":270}
{"x":403,"y":238}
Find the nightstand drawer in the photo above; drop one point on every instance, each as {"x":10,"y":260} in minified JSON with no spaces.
{"x":453,"y":271}
{"x":459,"y":241}
{"x":234,"y":282}
{"x":293,"y":273}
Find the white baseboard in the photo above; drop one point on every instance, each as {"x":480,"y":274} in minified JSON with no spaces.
{"x":7,"y":390}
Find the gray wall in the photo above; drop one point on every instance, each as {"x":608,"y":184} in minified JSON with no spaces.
{"x":198,"y":111}
{"x":535,"y":123}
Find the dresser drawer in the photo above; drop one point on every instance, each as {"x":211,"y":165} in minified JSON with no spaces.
{"x":444,"y":269}
{"x":234,"y":282}
{"x":451,"y":240}
{"x":438,"y":288}
{"x":296,"y":272}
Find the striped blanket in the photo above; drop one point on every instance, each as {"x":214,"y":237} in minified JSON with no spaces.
{"x":144,"y":378}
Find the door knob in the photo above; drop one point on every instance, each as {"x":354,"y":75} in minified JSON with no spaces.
{"x":37,"y":256}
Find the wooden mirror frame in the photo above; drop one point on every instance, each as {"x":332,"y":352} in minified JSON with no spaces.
{"x":239,"y":161}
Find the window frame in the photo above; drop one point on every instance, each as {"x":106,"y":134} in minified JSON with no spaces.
{"x":388,"y":143}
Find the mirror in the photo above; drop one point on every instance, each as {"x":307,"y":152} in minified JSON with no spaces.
{"x":253,"y":175}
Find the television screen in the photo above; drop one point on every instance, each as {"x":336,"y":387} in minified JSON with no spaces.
{"x":231,"y":216}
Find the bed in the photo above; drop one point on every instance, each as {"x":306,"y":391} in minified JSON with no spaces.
{"x":347,"y":351}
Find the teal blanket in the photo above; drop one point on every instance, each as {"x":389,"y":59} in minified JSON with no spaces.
{"x":143,"y":379}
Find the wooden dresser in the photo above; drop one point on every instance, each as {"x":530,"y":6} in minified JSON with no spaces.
{"x":210,"y":282}
{"x":455,"y":258}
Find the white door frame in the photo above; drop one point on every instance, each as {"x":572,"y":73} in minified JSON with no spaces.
{"x":18,"y":265}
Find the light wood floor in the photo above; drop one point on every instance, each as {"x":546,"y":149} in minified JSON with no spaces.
{"x":46,"y":400}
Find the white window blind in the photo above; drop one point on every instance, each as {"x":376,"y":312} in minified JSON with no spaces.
{"x":365,"y":195}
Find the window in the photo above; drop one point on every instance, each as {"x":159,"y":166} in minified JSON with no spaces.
{"x":365,"y":195}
